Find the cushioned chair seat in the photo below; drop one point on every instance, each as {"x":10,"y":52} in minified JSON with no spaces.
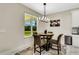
{"x":53,"y":41}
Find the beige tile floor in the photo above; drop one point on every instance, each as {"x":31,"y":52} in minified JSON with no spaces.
{"x":71,"y":51}
{"x":29,"y":51}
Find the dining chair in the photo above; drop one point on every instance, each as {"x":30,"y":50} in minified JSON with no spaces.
{"x":56,"y":43}
{"x":38,"y":43}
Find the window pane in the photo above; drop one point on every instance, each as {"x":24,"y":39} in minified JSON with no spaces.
{"x":27,"y":26}
{"x":34,"y":25}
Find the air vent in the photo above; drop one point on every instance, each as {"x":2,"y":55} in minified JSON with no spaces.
{"x":68,"y":40}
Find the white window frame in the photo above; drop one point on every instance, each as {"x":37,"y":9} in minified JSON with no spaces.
{"x":31,"y":25}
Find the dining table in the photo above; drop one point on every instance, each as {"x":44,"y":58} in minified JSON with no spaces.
{"x":48,"y":37}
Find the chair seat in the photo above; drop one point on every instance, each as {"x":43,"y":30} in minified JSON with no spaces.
{"x":53,"y":41}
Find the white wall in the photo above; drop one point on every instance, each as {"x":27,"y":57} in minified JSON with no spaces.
{"x":75,"y":18}
{"x":65,"y":23}
{"x":42,"y":26}
{"x":12,"y":25}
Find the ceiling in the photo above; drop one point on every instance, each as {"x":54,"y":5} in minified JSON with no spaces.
{"x":52,"y":7}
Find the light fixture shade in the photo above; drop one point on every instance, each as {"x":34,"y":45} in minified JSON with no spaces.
{"x":44,"y":18}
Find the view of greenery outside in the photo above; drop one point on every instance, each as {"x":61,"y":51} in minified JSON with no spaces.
{"x":30,"y":26}
{"x":27,"y":30}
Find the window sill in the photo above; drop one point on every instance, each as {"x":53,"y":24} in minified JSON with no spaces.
{"x":27,"y":37}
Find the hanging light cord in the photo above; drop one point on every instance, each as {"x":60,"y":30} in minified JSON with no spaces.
{"x":44,"y":9}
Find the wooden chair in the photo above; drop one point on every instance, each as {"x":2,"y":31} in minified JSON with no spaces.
{"x":56,"y":43}
{"x":38,"y":43}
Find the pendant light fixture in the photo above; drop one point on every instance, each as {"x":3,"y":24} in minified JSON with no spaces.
{"x":44,"y":18}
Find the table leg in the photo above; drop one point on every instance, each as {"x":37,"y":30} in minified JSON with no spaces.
{"x":47,"y":45}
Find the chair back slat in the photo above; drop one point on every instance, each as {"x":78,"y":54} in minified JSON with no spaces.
{"x":37,"y":39}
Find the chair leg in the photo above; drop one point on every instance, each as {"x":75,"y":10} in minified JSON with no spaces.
{"x":40,"y":50}
{"x":58,"y":49}
{"x":34,"y":48}
{"x":50,"y":45}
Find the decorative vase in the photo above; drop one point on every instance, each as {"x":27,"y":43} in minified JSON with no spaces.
{"x":45,"y":31}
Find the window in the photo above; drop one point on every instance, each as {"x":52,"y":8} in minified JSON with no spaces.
{"x":30,"y":25}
